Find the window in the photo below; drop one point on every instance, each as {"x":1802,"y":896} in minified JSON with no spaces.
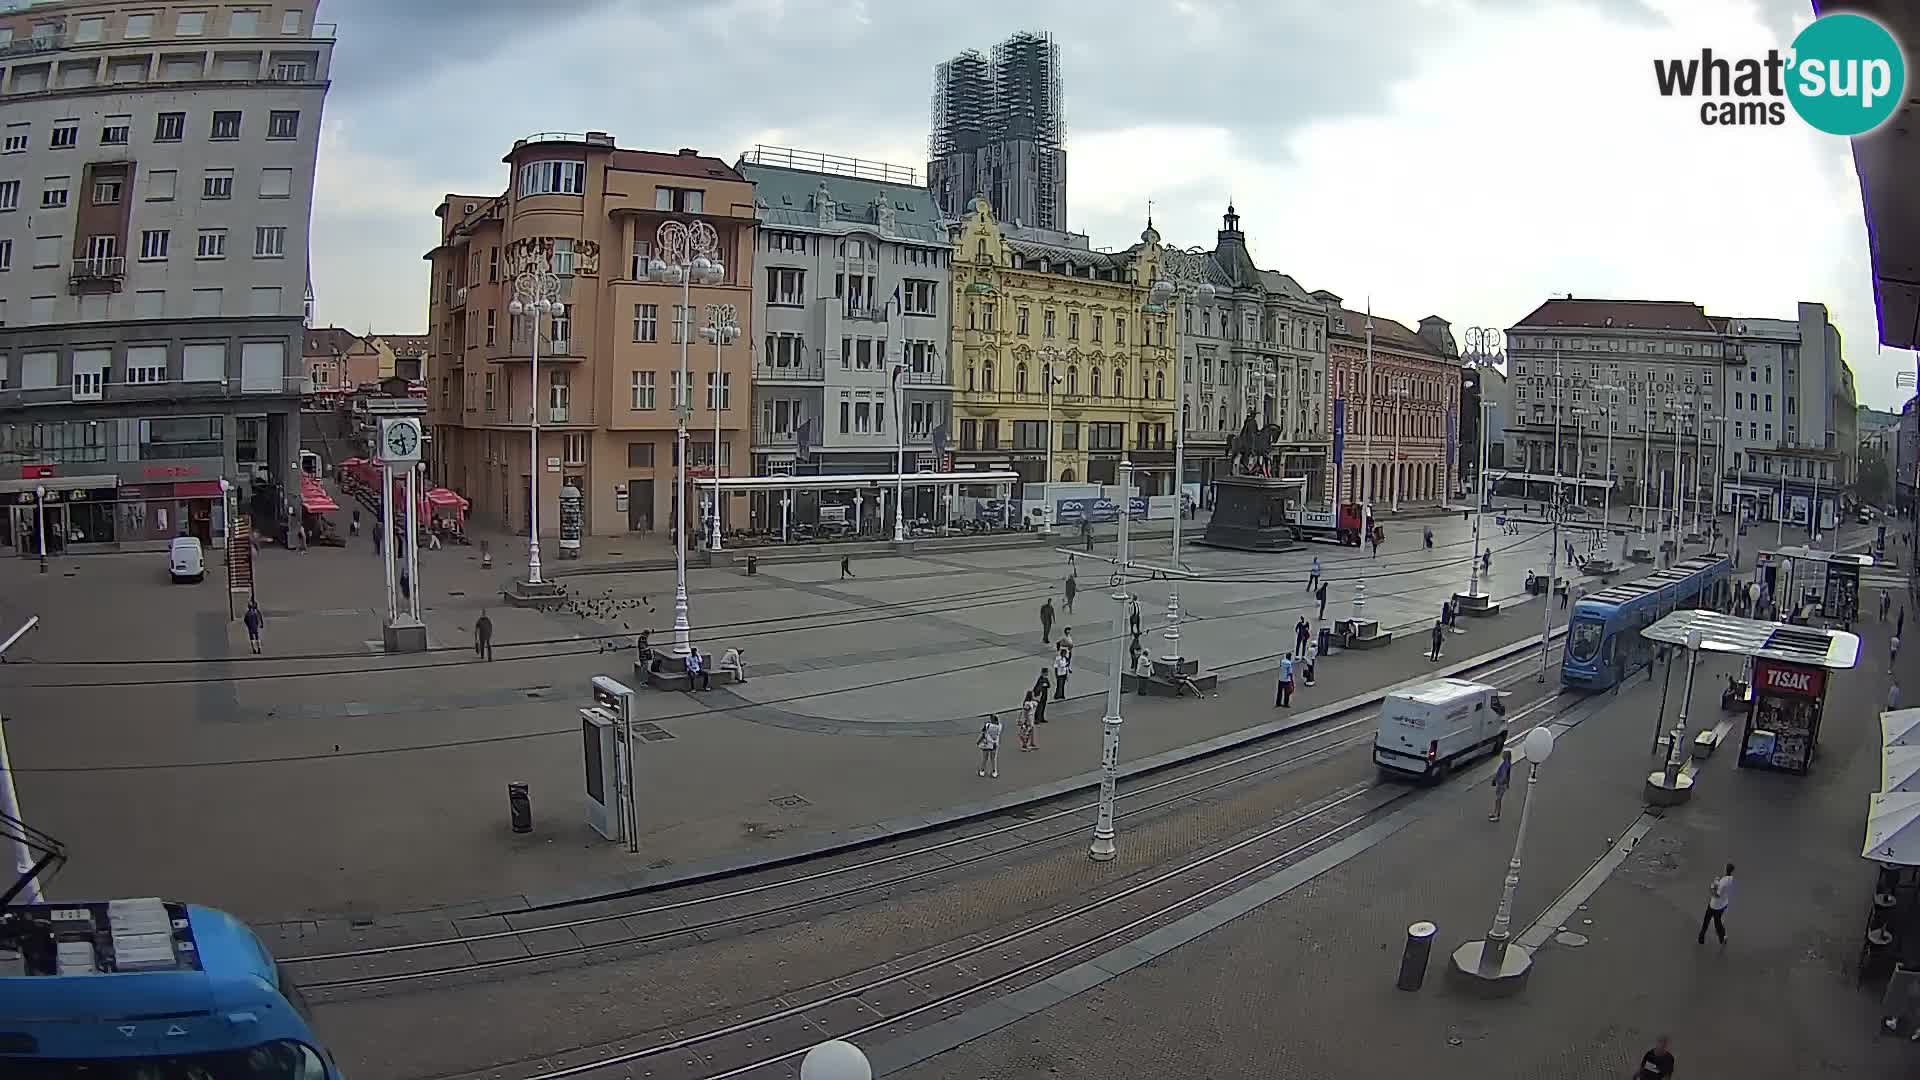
{"x":640,"y":390}
{"x":1029,"y":435}
{"x":153,"y":244}
{"x":1070,"y":435}
{"x":1046,"y":323}
{"x":265,"y":299}
{"x":1119,"y":331}
{"x":682,"y":200}
{"x":560,"y":329}
{"x":113,"y":131}
{"x":283,"y":124}
{"x":16,"y":139}
{"x":270,"y":242}
{"x":1106,"y":436}
{"x":290,"y":70}
{"x":66,"y":135}
{"x":9,"y":194}
{"x":6,"y":254}
{"x":206,"y":303}
{"x":218,"y":184}
{"x":212,"y":244}
{"x":139,"y":26}
{"x":726,"y":392}
{"x":487,"y":392}
{"x":919,"y":297}
{"x":169,"y":127}
{"x":639,"y":454}
{"x":1022,"y":321}
{"x":190,"y":24}
{"x":53,"y":193}
{"x":573,"y":448}
{"x":160,"y":184}
{"x":785,"y":287}
{"x":646,"y":325}
{"x":106,"y":192}
{"x":243,"y":24}
{"x":553,"y":178}
{"x":1096,"y":327}
{"x":290,"y":22}
{"x":146,"y":364}
{"x":226,"y":125}
{"x":492,"y":328}
{"x":46,"y":250}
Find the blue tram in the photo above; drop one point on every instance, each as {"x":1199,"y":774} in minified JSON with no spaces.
{"x":1603,"y":634}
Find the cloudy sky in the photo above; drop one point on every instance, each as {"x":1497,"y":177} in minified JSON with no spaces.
{"x":1465,"y":158}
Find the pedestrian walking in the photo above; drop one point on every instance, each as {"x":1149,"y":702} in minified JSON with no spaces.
{"x":1300,"y":632}
{"x":1066,"y":642}
{"x":483,"y":636}
{"x":1893,"y":648}
{"x":353,"y":524}
{"x":1134,"y":651}
{"x":1026,"y":723}
{"x":1657,"y":1063}
{"x":1886,"y":604}
{"x":1437,"y":634}
{"x":1312,"y":655}
{"x":990,"y":746}
{"x":1073,"y":587}
{"x":698,"y":678}
{"x":1086,"y":534}
{"x":1062,"y":667}
{"x":1502,"y":777}
{"x":846,"y":567}
{"x":1046,"y":621}
{"x":1893,"y":696}
{"x":1039,"y":691}
{"x":1320,"y":594}
{"x":254,"y":620}
{"x":1283,"y":693}
{"x":1719,"y":899}
{"x":1133,"y":616}
{"x":1313,"y":575}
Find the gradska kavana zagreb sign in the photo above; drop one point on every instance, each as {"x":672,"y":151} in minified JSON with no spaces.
{"x":1844,"y":75}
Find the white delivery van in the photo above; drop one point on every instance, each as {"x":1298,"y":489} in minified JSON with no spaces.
{"x":1427,"y":730}
{"x":185,"y":560}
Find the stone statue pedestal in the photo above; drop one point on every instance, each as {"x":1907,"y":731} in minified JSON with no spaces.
{"x":1250,"y":513}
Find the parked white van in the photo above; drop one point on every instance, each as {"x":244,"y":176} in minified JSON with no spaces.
{"x":1427,"y":730}
{"x":185,"y":560}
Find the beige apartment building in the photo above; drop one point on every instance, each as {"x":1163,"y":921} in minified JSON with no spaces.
{"x":591,"y":214}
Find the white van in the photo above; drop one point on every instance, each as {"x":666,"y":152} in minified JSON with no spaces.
{"x":185,"y":560}
{"x":1427,"y":730}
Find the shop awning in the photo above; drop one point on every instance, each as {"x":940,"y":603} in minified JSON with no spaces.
{"x":1900,"y":770}
{"x":1900,"y":727}
{"x":317,"y":502}
{"x":446,"y":497}
{"x":1892,"y":833}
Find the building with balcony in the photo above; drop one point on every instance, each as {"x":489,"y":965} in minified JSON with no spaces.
{"x":1750,"y":411}
{"x":593,"y":214}
{"x":156,"y":183}
{"x":1397,"y":394}
{"x":852,"y":295}
{"x":1257,"y":349}
{"x":1045,"y":327}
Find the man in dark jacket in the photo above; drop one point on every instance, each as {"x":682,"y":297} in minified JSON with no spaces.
{"x":1040,"y":688}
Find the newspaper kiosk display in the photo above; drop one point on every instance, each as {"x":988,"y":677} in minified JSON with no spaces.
{"x":1783,"y":723}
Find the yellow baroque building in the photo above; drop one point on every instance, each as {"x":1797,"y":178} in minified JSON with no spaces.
{"x":1047,"y":328}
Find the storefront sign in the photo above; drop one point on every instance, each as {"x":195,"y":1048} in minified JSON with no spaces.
{"x":1795,"y":680}
{"x":171,"y":472}
{"x":35,"y":472}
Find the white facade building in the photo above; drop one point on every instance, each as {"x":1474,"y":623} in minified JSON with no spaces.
{"x":156,"y":183}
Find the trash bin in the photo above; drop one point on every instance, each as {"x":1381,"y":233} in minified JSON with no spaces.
{"x":753,"y":565}
{"x":1413,"y":962}
{"x":1326,"y":640}
{"x":520,"y":807}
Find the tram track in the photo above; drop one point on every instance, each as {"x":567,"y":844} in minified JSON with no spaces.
{"x":886,"y":998}
{"x":343,"y":971}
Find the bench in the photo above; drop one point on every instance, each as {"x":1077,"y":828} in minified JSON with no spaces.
{"x":1705,"y":743}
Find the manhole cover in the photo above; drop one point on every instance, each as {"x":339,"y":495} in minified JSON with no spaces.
{"x":652,"y":732}
{"x":1570,"y":939}
{"x":789,"y":802}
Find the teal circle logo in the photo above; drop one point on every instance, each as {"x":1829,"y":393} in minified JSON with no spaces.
{"x":1847,"y":74}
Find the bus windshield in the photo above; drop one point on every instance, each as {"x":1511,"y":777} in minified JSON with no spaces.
{"x":1583,"y":639}
{"x":279,"y":1060}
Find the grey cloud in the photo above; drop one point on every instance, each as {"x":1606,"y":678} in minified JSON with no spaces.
{"x":384,"y":45}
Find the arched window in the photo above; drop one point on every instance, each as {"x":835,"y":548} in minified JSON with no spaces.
{"x":1073,"y":379}
{"x":1093,"y":380}
{"x":1119,"y":382}
{"x":1020,"y":377}
{"x":1160,"y":385}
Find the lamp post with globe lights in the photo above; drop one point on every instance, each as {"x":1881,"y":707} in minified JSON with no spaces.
{"x":721,"y":329}
{"x":535,"y":293}
{"x":687,"y":253}
{"x":1163,"y":291}
{"x":1050,"y":359}
{"x":1494,"y":966}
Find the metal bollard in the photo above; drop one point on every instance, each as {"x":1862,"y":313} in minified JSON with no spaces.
{"x":1413,"y":962}
{"x":753,"y":565}
{"x":520,"y":807}
{"x":1326,"y":640}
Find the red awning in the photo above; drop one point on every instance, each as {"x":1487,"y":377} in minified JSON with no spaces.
{"x":317,"y":502}
{"x":446,"y":497}
{"x":196,"y":489}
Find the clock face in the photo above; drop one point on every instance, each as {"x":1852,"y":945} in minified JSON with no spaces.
{"x":402,"y":440}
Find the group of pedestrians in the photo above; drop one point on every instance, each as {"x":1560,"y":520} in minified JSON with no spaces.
{"x":1297,"y":663}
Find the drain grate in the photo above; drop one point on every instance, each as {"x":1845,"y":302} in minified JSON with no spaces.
{"x":652,"y":732}
{"x":789,"y":802}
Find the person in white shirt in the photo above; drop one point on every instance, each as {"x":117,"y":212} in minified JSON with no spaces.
{"x":1719,"y":899}
{"x":735,"y":660}
{"x":990,"y":746}
{"x":1283,"y":694}
{"x":1062,"y":667}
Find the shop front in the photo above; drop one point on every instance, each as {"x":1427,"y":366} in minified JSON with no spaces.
{"x":1783,"y":723}
{"x":106,"y":512}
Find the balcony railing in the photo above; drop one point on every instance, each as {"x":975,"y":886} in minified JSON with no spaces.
{"x":38,"y":43}
{"x":104,"y":268}
{"x":865,"y":314}
{"x":166,"y":390}
{"x":931,"y":375}
{"x":813,"y":370}
{"x":573,"y":414}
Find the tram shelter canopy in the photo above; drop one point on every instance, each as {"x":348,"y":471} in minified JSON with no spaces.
{"x":1835,"y":650}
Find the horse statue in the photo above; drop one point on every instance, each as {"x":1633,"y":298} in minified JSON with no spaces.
{"x":1252,"y":450}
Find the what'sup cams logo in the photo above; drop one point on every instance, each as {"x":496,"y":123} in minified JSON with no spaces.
{"x":1844,"y":75}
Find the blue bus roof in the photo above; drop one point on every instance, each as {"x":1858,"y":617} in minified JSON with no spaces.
{"x":117,"y":993}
